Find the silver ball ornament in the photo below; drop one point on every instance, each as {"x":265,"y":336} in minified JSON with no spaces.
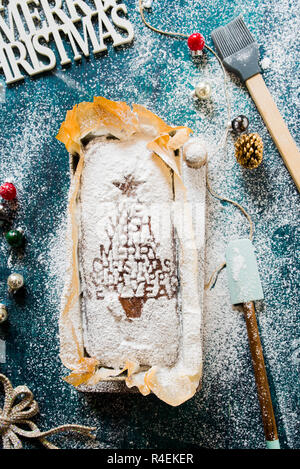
{"x":203,"y":90}
{"x":15,"y":282}
{"x":3,"y":313}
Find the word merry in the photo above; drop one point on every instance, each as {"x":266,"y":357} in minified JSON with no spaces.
{"x":24,"y":35}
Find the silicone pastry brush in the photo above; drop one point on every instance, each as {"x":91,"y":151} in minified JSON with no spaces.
{"x":239,"y":53}
{"x":245,"y":288}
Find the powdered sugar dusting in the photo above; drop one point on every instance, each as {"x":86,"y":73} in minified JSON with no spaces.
{"x":121,"y":249}
{"x":225,"y":413}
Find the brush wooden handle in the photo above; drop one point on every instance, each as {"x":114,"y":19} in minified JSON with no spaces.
{"x":261,"y":379}
{"x":276,"y":125}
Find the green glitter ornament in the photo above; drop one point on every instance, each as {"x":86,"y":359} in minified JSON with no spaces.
{"x":15,"y":238}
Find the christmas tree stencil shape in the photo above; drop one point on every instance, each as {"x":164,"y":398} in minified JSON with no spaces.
{"x":128,"y":262}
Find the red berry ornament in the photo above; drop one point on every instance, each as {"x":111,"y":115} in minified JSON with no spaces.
{"x":8,"y":191}
{"x":196,"y":43}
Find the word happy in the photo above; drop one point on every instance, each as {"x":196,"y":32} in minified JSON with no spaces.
{"x":25,"y":35}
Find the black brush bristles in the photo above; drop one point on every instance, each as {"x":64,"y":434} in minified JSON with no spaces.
{"x":232,"y":38}
{"x":237,"y":48}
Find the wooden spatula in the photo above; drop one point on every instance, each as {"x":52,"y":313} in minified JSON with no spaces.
{"x":240,"y":54}
{"x":245,"y":288}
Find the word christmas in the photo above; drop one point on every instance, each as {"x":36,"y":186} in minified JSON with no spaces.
{"x":25,"y":35}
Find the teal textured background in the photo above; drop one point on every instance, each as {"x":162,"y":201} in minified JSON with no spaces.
{"x":158,"y":72}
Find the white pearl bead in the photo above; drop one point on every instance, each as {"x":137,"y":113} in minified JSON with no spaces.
{"x":15,"y":282}
{"x":203,"y":90}
{"x":147,"y":3}
{"x":195,"y":152}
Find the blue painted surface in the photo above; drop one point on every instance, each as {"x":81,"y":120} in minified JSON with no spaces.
{"x":158,"y":72}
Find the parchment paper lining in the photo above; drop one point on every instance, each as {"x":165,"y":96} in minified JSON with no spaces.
{"x":173,"y":385}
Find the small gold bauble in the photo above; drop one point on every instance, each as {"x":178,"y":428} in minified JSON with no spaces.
{"x":203,"y":90}
{"x":15,"y":282}
{"x":249,"y":150}
{"x":3,"y":313}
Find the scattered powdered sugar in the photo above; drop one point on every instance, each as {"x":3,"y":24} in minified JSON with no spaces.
{"x":158,"y":73}
{"x":265,"y":63}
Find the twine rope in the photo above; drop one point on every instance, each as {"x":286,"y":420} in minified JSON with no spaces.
{"x":18,"y":409}
{"x":223,"y":141}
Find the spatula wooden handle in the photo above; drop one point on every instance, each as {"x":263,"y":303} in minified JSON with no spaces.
{"x":276,"y":125}
{"x":261,"y":379}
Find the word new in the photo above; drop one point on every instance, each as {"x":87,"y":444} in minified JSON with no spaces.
{"x":25,"y":34}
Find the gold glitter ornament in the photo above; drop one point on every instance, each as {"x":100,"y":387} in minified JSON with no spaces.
{"x":18,"y":409}
{"x":249,"y":150}
{"x":3,"y":313}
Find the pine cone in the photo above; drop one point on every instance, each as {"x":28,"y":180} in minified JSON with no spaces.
{"x":249,"y":150}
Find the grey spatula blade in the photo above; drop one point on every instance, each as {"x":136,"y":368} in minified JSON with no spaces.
{"x":237,"y":48}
